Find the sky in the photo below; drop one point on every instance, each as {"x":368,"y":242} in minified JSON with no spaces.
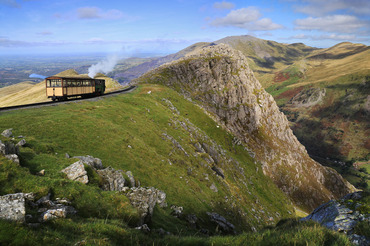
{"x":162,"y":27}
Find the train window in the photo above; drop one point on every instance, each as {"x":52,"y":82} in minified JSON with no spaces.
{"x":54,"y":83}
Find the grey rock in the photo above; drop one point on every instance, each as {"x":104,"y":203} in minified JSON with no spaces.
{"x":192,"y":220}
{"x":76,"y":172}
{"x":144,"y":228}
{"x":145,"y":199}
{"x":95,"y":163}
{"x":112,"y":179}
{"x":213,"y":187}
{"x":58,"y":212}
{"x":218,"y":171}
{"x":67,"y":155}
{"x":177,"y":211}
{"x":131,"y":178}
{"x":7,"y":133}
{"x":8,"y":148}
{"x":221,"y":222}
{"x":12,"y":206}
{"x":21,"y":143}
{"x":41,"y":172}
{"x":13,"y":157}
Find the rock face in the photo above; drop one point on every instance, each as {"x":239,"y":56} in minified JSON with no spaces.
{"x":77,"y":172}
{"x":219,"y":78}
{"x":95,"y":163}
{"x":113,"y":179}
{"x":13,"y":207}
{"x":307,"y":98}
{"x":343,"y":215}
{"x":144,"y":199}
{"x":222,"y":223}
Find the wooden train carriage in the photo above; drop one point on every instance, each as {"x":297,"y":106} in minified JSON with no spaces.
{"x":60,"y":88}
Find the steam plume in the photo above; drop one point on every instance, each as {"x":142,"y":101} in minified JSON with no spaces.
{"x":105,"y":66}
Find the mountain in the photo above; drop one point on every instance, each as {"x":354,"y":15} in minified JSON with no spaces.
{"x":220,"y":80}
{"x":131,"y":73}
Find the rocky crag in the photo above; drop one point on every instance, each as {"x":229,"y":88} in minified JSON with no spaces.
{"x":219,"y":79}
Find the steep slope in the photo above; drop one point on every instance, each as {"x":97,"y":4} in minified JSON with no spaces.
{"x":18,"y":95}
{"x":165,"y":141}
{"x":339,"y":118}
{"x":220,"y":80}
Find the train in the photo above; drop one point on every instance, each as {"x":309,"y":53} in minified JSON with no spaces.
{"x":60,"y":88}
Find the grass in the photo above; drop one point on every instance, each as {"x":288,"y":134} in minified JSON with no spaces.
{"x":126,"y":132}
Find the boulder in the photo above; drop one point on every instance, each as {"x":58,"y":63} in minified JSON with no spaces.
{"x":222,"y":223}
{"x":13,"y":157}
{"x":213,"y":187}
{"x":342,"y":215}
{"x":21,"y":143}
{"x":8,"y":148}
{"x":60,"y":211}
{"x":76,"y":172}
{"x":12,"y":206}
{"x":176,"y":211}
{"x":144,"y":199}
{"x":112,"y":179}
{"x":7,"y":133}
{"x":95,"y":163}
{"x":131,"y":178}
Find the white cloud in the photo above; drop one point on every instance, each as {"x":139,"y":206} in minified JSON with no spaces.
{"x":97,"y":13}
{"x":44,"y":33}
{"x":246,"y":18}
{"x":10,"y":3}
{"x":332,"y":36}
{"x":322,"y":7}
{"x":331,"y":23}
{"x":223,"y":5}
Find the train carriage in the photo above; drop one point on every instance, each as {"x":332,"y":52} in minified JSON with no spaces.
{"x":60,"y":88}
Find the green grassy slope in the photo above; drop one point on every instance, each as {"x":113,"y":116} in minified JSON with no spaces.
{"x":105,"y":129}
{"x":126,"y":132}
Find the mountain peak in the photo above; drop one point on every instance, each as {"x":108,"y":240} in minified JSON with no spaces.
{"x":219,"y":78}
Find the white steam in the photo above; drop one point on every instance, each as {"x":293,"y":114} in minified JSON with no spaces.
{"x":105,"y":66}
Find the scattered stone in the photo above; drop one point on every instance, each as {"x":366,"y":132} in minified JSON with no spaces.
{"x":95,"y":163}
{"x":21,"y":143}
{"x":144,"y":228}
{"x":222,"y":223}
{"x":41,"y":173}
{"x":7,"y":133}
{"x":12,"y":206}
{"x":8,"y":148}
{"x":213,"y":187}
{"x":131,"y":178}
{"x":58,"y":212}
{"x":144,"y":199}
{"x":77,"y":172}
{"x":112,"y":179}
{"x":176,"y":211}
{"x":67,"y":156}
{"x":13,"y":157}
{"x":218,"y":171}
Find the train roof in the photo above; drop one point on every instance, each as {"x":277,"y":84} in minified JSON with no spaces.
{"x":81,"y":76}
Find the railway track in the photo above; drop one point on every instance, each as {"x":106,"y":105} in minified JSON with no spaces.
{"x":51,"y":103}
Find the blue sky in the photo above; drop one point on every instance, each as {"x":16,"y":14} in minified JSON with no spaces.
{"x":132,"y":27}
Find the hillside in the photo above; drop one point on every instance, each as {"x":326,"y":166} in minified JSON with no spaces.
{"x":25,"y":93}
{"x":220,"y":80}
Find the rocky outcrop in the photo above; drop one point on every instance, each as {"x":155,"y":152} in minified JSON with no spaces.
{"x":343,"y":215}
{"x":219,"y":78}
{"x":145,"y":199}
{"x":112,"y":179}
{"x":76,"y":172}
{"x":95,"y":163}
{"x":222,"y":223}
{"x":7,"y":133}
{"x":307,"y":98}
{"x":13,"y":206}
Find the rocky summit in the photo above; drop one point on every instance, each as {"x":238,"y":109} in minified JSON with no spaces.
{"x":219,"y":79}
